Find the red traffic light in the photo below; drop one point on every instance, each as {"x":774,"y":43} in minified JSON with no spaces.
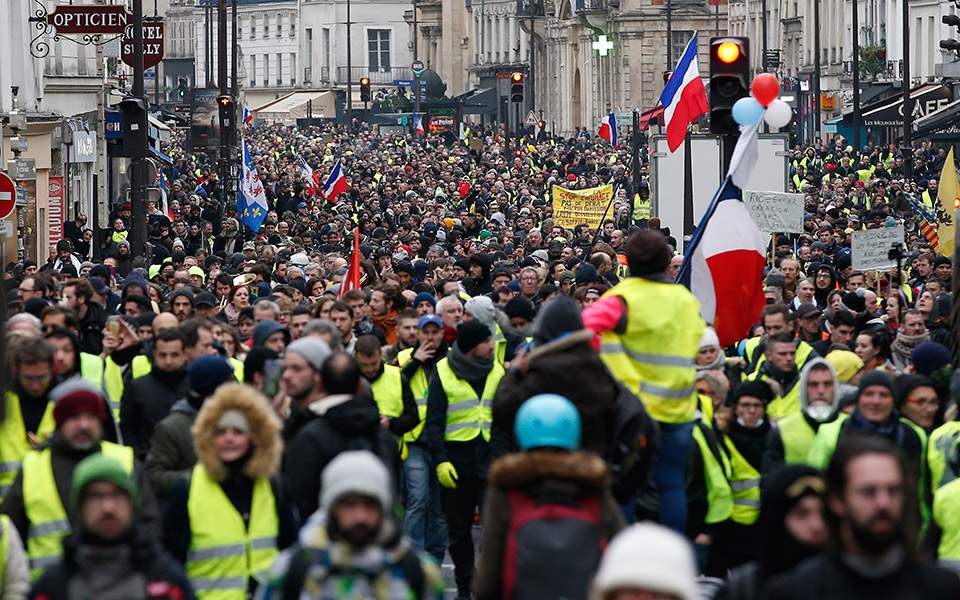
{"x":516,"y":77}
{"x":728,"y":52}
{"x":364,"y":81}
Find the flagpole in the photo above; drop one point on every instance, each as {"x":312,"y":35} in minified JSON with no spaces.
{"x":596,"y":234}
{"x":687,"y":187}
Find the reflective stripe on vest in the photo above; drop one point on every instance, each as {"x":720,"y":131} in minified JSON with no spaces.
{"x":467,"y":415}
{"x":745,"y":483}
{"x":716,"y":470}
{"x":797,"y":437}
{"x":419,"y":386}
{"x":388,"y":392}
{"x":14,"y":444}
{"x":224,"y":553}
{"x":654,"y":357}
{"x":945,"y":502}
{"x":45,"y":513}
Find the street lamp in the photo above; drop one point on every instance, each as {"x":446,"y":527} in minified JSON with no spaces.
{"x":856,"y":76}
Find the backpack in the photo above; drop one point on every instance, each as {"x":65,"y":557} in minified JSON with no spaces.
{"x":552,"y":549}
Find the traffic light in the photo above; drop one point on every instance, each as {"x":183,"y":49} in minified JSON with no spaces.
{"x":135,"y":128}
{"x":227,"y":112}
{"x":182,"y":89}
{"x":951,"y":44}
{"x":365,"y":89}
{"x":729,"y":80}
{"x":516,"y":87}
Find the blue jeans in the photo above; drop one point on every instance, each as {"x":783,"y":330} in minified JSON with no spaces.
{"x":423,"y":522}
{"x":669,"y":473}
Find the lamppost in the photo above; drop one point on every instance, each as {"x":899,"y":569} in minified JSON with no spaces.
{"x":856,"y":76}
{"x":816,"y":69}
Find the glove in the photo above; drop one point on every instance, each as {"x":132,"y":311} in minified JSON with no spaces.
{"x":447,"y":474}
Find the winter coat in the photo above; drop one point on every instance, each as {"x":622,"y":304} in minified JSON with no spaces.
{"x":615,"y":424}
{"x":555,"y":477}
{"x":236,"y":480}
{"x":91,"y":329}
{"x":323,"y":430}
{"x":64,"y":460}
{"x":171,"y":454}
{"x":136,"y":558}
{"x":16,"y":571}
{"x":146,"y":401}
{"x":320,"y":568}
{"x":827,"y":577}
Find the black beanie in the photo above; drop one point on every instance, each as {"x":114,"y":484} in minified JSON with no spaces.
{"x":874,"y":377}
{"x":557,"y":318}
{"x":757,"y":389}
{"x":471,"y":334}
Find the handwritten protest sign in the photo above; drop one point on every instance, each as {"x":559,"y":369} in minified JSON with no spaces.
{"x":775,"y":212}
{"x":573,"y":207}
{"x":870,"y":248}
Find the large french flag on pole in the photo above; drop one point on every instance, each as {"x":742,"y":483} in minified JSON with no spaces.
{"x":608,"y":129}
{"x":684,"y":98}
{"x":336,"y":183}
{"x":725,"y":260}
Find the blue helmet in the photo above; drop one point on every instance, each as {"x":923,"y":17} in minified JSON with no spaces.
{"x":547,"y":420}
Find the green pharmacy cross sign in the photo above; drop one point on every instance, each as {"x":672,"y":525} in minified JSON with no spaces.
{"x":603,"y":46}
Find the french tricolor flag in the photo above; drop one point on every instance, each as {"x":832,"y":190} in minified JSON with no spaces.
{"x":684,"y":98}
{"x":726,"y":256}
{"x":418,"y":125}
{"x":247,"y":116}
{"x":312,"y":177}
{"x":608,"y":129}
{"x":336,"y":183}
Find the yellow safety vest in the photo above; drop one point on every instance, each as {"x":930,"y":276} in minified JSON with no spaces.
{"x":803,"y":354}
{"x":113,"y":382}
{"x":224,"y":553}
{"x":140,"y":366}
{"x":654,"y":358}
{"x":500,"y":346}
{"x":945,"y":502}
{"x":797,"y":437}
{"x":388,"y":391}
{"x":5,"y":525}
{"x":93,"y":369}
{"x":237,"y":365}
{"x":41,"y":501}
{"x":467,"y":415}
{"x":928,"y":201}
{"x":13,"y":438}
{"x":419,"y":386}
{"x":641,"y":209}
{"x":785,"y":405}
{"x":716,"y":474}
{"x":745,"y":483}
{"x":941,"y":456}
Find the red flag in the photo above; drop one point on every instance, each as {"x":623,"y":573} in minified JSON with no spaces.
{"x":351,"y":280}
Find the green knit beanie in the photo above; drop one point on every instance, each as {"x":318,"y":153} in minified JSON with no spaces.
{"x":98,"y":467}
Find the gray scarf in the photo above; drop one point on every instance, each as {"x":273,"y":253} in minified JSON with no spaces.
{"x":106,"y":573}
{"x":466,"y":367}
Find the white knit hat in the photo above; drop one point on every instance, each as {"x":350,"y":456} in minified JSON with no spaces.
{"x":356,"y":472}
{"x":648,"y":557}
{"x":709,"y":338}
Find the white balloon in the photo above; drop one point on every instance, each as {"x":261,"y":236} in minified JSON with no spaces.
{"x":779,"y":114}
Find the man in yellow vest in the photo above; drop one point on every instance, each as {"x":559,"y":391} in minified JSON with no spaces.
{"x":459,"y":421}
{"x":423,"y":517}
{"x":36,"y":502}
{"x":28,"y":413}
{"x":650,"y":332}
{"x":105,"y":501}
{"x":781,"y":366}
{"x":390,"y":389}
{"x":791,"y":438}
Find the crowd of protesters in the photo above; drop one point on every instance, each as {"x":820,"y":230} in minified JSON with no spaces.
{"x":228,"y":415}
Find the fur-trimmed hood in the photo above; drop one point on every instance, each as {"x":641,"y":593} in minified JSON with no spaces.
{"x":264,"y":431}
{"x":522,"y":468}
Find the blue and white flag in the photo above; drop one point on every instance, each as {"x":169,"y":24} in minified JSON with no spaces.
{"x":252,"y":200}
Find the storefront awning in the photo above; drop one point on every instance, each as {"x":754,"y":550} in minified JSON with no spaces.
{"x":889,"y":112}
{"x":945,"y":120}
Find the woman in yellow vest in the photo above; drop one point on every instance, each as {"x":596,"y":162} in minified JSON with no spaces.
{"x":744,"y":441}
{"x":227,"y":522}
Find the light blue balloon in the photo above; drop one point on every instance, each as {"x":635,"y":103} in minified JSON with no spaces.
{"x":747,"y":111}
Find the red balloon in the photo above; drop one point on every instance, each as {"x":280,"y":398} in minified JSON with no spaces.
{"x":765,"y":88}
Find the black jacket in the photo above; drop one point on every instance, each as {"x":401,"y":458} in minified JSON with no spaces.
{"x":147,"y":557}
{"x":318,"y":433}
{"x":827,"y":577}
{"x":91,"y":329}
{"x":147,"y":400}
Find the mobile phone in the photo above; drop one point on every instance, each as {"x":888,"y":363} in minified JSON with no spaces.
{"x":272,"y":369}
